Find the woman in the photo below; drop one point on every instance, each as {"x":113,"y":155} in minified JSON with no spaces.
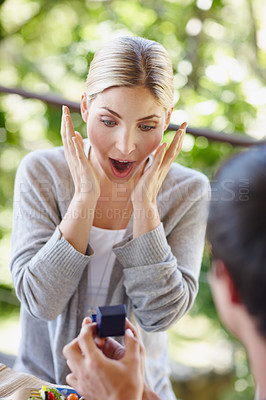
{"x":109,"y":220}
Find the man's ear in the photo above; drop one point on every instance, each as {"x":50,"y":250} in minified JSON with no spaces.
{"x":168,"y":116}
{"x":84,"y":107}
{"x":223,"y":273}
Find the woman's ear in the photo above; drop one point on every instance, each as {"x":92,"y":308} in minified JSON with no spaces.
{"x":168,"y":116}
{"x":84,"y":107}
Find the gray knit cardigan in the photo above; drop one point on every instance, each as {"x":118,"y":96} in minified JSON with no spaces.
{"x":155,"y":275}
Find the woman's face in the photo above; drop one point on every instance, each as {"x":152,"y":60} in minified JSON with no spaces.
{"x":124,"y":126}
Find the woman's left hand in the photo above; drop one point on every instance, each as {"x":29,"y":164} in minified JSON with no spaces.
{"x":146,"y":190}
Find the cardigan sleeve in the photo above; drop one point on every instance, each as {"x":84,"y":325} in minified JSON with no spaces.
{"x":161,"y":269}
{"x":45,"y":268}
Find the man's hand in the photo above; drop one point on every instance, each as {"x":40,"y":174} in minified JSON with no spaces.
{"x":102,"y":368}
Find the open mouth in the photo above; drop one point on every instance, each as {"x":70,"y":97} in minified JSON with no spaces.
{"x":120,"y":167}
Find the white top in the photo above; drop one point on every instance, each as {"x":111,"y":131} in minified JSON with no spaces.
{"x":101,"y":265}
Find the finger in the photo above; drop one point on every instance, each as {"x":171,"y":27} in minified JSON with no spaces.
{"x":70,"y":133}
{"x":129,"y":325}
{"x":179,"y":136}
{"x":165,"y":157}
{"x":112,"y":349}
{"x":63,"y":127}
{"x":100,"y":342}
{"x":79,"y":138}
{"x":73,"y":355}
{"x":71,"y":380}
{"x":86,"y":341}
{"x":136,"y":333}
{"x":67,"y":132}
{"x":183,"y":125}
{"x":78,"y":148}
{"x":133,"y":354}
{"x":179,"y":132}
{"x":181,"y":140}
{"x":131,"y":344}
{"x":159,"y":156}
{"x":157,"y":150}
{"x":88,"y":327}
{"x":71,"y":349}
{"x":68,"y":122}
{"x":157,"y":160}
{"x":86,"y":321}
{"x":176,"y":144}
{"x":74,"y":363}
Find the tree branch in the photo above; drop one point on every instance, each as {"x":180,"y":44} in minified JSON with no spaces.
{"x":56,"y":101}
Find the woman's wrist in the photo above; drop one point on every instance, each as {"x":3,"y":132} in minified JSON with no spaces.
{"x":77,"y":222}
{"x":146,"y":219}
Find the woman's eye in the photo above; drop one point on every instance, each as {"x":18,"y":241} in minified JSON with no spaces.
{"x":146,"y":128}
{"x":108,"y":122}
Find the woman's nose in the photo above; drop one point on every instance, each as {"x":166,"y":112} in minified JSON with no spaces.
{"x":125,"y":142}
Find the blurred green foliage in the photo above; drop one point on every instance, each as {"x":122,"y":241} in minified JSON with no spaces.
{"x":218,"y":49}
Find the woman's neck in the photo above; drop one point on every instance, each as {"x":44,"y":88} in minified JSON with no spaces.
{"x":114,"y":207}
{"x":115,"y":192}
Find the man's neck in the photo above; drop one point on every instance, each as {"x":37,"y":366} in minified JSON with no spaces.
{"x":256,"y":348}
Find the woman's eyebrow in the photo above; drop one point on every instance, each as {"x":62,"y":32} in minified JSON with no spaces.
{"x":112,"y":112}
{"x":140,"y":119}
{"x":149,"y":117}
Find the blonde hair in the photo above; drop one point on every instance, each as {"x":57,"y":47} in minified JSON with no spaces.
{"x":132,"y":61}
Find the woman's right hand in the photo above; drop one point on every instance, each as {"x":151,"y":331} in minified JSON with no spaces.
{"x":76,"y":224}
{"x":86,"y":182}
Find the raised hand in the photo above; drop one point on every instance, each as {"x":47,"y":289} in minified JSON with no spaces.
{"x":77,"y":222}
{"x":84,"y":176}
{"x":146,"y":190}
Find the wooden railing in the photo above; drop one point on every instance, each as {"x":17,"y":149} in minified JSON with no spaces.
{"x":53,"y":100}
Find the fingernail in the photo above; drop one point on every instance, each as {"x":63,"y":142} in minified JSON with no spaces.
{"x":98,"y":341}
{"x":86,"y":321}
{"x":129,"y":333}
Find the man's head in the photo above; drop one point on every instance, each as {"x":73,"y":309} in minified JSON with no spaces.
{"x":237,"y":233}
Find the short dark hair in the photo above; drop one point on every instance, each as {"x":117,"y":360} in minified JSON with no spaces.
{"x":237,"y":227}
